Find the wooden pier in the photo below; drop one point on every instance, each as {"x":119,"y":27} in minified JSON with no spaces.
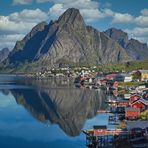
{"x":101,"y":137}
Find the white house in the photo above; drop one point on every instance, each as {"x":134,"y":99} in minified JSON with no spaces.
{"x":128,"y":78}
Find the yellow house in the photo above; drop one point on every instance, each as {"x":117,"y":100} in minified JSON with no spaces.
{"x":144,"y":75}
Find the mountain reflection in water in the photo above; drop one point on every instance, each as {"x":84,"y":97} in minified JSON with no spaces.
{"x":60,"y":103}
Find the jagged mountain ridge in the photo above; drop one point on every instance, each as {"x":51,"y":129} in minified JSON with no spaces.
{"x":67,"y":40}
{"x":135,"y":49}
{"x":4,"y":54}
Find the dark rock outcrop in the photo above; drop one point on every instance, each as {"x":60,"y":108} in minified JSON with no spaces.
{"x":4,"y":54}
{"x":137,"y":50}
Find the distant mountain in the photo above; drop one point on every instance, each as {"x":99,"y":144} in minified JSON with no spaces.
{"x":135,"y":49}
{"x":4,"y":54}
{"x":66,"y":40}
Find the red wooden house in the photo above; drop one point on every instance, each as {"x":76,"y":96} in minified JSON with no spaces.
{"x":134,"y":98}
{"x":132,"y":113}
{"x":111,"y":76}
{"x":123,"y":103}
{"x":115,"y":84}
{"x":100,"y":130}
{"x":103,"y":82}
{"x":115,"y":92}
{"x":141,"y":104}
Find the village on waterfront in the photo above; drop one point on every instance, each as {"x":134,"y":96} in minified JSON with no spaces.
{"x":127,"y":108}
{"x":127,"y":104}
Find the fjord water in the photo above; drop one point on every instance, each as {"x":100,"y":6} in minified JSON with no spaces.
{"x":46,"y":113}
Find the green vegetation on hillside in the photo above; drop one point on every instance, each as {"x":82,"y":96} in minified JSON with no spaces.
{"x":37,"y":66}
{"x":144,"y":115}
{"x":127,"y":67}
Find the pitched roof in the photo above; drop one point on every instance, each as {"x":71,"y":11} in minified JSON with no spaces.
{"x":144,"y":101}
{"x":143,"y":71}
{"x":100,"y":127}
{"x":131,"y":109}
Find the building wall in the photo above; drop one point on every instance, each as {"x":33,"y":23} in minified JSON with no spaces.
{"x":128,"y":79}
{"x":131,"y":114}
{"x":100,"y":132}
{"x":144,"y":76}
{"x":139,"y":105}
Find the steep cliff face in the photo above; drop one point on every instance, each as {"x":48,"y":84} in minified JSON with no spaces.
{"x":27,"y":49}
{"x":4,"y":54}
{"x":118,"y":35}
{"x":67,"y":40}
{"x":135,"y":49}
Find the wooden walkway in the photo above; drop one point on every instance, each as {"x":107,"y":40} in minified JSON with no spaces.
{"x":113,"y":138}
{"x":113,"y":132}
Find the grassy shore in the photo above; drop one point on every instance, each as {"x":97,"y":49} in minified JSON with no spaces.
{"x":144,"y":115}
{"x":132,"y":83}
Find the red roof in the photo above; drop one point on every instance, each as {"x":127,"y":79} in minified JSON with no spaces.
{"x":133,"y":98}
{"x":111,"y":76}
{"x":132,"y":112}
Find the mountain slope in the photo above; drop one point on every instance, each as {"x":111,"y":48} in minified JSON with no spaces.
{"x":4,"y":54}
{"x":135,"y":49}
{"x":66,"y":40}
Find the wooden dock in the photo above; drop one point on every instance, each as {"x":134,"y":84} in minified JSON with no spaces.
{"x":103,"y":138}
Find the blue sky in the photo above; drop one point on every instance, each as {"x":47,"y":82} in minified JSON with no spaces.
{"x":17,"y":17}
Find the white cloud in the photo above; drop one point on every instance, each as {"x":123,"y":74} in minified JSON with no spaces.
{"x":91,"y":14}
{"x":28,"y":16}
{"x":88,"y":8}
{"x":11,"y":27}
{"x":56,"y":10}
{"x":9,"y":40}
{"x":108,"y":12}
{"x":144,"y":12}
{"x":142,"y":39}
{"x":142,"y":20}
{"x":82,"y":4}
{"x":19,"y":23}
{"x":138,"y":33}
{"x":22,"y":2}
{"x":22,"y":22}
{"x":122,"y":18}
{"x":118,"y":17}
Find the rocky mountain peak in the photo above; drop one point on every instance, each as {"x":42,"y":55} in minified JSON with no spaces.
{"x":118,"y":35}
{"x":135,"y":49}
{"x":72,"y":17}
{"x":67,"y":41}
{"x":5,"y":50}
{"x":143,"y":45}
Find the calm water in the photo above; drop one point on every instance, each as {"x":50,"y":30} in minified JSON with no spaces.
{"x":49,"y":113}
